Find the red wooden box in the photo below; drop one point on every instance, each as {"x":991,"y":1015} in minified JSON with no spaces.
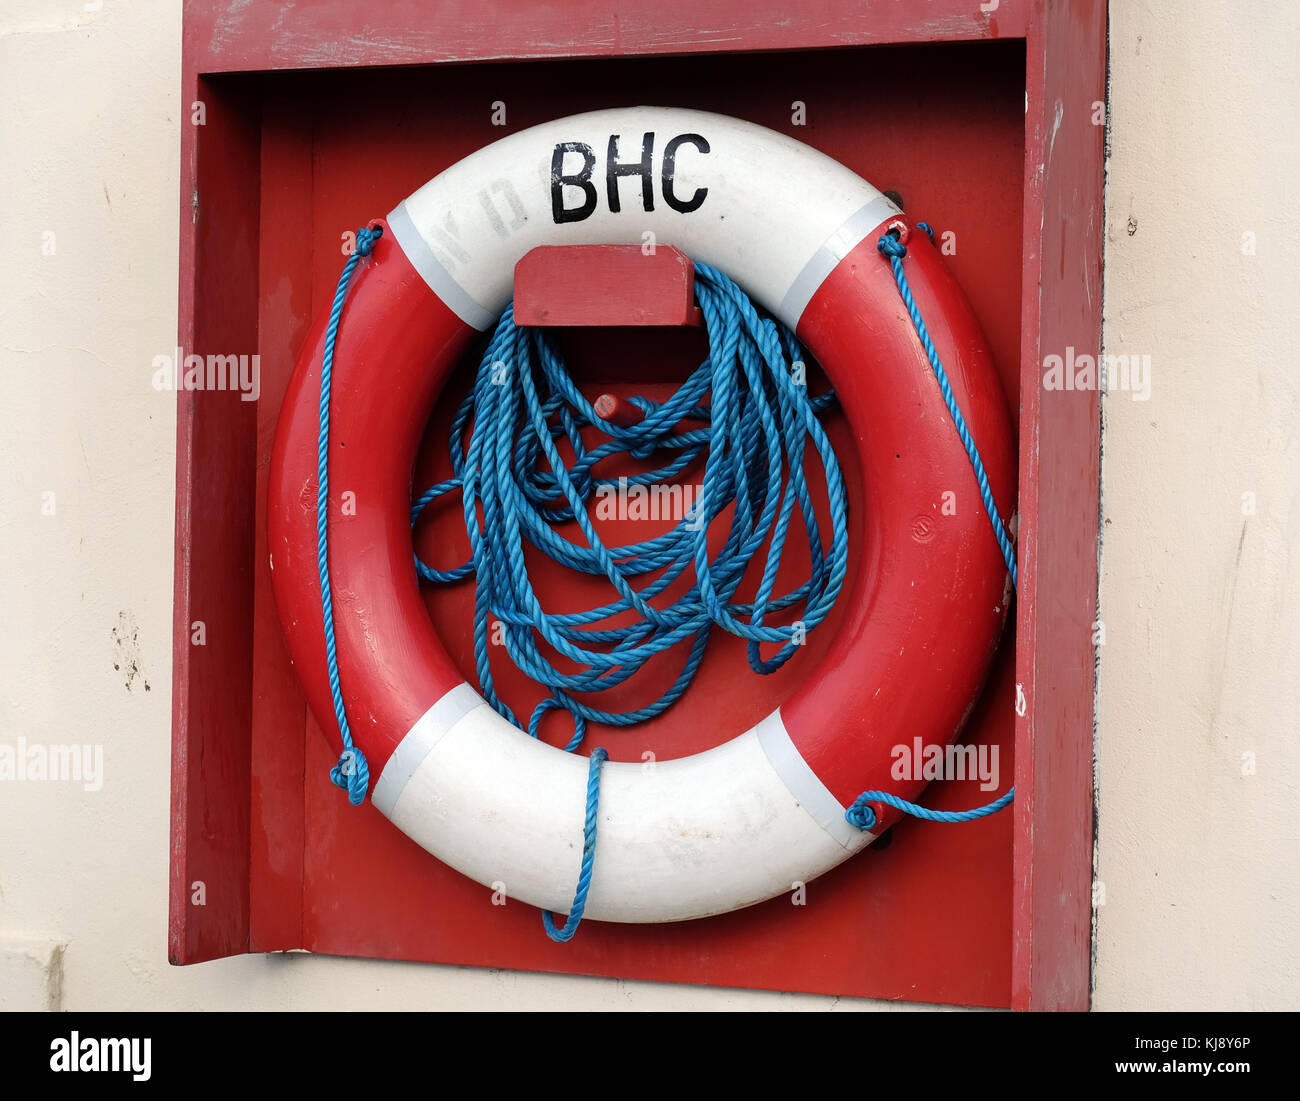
{"x":986,"y":119}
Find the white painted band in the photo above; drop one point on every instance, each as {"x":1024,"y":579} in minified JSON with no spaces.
{"x":676,"y":839}
{"x":802,"y":782}
{"x":827,"y":258}
{"x":428,"y":730}
{"x":774,"y":214}
{"x":422,"y":258}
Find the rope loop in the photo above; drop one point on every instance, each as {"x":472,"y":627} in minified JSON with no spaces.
{"x":553,"y":703}
{"x":571,"y":923}
{"x":861,"y":814}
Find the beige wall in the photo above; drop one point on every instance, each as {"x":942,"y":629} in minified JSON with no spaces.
{"x":1200,"y":863}
{"x":1200,"y":663}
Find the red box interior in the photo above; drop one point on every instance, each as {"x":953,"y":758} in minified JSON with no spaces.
{"x":924,"y":917}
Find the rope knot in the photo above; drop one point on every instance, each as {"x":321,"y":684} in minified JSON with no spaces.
{"x":860,"y":814}
{"x":890,"y":245}
{"x":366,"y":238}
{"x":352,"y":773}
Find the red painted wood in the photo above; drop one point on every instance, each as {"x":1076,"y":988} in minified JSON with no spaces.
{"x":1059,"y":501}
{"x":929,"y":918}
{"x":236,"y":36}
{"x":901,"y":948}
{"x":215,"y":454}
{"x":568,"y":285}
{"x":279,"y":717}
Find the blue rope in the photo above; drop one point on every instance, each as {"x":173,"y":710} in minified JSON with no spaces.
{"x":860,"y":814}
{"x":352,"y":773}
{"x":752,"y":437}
{"x":571,"y":923}
{"x":895,"y":250}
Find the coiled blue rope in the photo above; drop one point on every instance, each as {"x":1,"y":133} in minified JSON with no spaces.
{"x":861,"y":814}
{"x":753,"y":437}
{"x":506,"y":462}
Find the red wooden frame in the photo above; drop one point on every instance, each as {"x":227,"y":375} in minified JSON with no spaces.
{"x":225,"y":211}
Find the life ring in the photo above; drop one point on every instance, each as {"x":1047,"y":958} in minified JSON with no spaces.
{"x":745,"y":820}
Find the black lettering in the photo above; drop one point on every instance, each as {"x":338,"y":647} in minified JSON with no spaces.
{"x":643,"y":168}
{"x":670,"y":167}
{"x":582,"y":179}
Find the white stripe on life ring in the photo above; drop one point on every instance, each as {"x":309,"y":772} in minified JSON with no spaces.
{"x":676,"y":839}
{"x":777,"y":216}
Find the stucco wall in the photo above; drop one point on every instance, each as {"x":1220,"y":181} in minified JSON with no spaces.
{"x":1200,"y":663}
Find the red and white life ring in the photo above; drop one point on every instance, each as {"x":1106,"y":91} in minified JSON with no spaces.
{"x":741,"y":822}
